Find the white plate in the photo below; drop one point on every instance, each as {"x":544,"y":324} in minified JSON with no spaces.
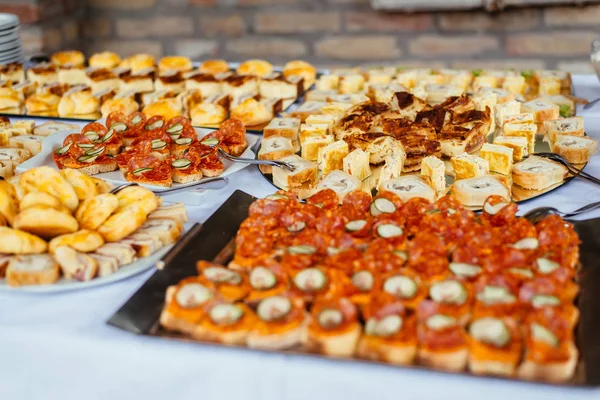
{"x":192,"y":197}
{"x":9,"y":31}
{"x":67,"y":285}
{"x":8,"y":21}
{"x":12,"y":60}
{"x":7,"y":49}
{"x":11,"y":38}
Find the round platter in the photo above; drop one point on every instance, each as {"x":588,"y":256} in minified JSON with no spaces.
{"x":67,"y":285}
{"x":518,"y":193}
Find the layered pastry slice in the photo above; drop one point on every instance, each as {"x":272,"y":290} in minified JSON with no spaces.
{"x":518,"y":144}
{"x":474,"y":191}
{"x":408,"y":105}
{"x":576,"y":149}
{"x":537,"y":173}
{"x":468,"y":166}
{"x":331,"y":156}
{"x":434,"y":171}
{"x":409,"y":186}
{"x":542,"y":110}
{"x":466,"y":133}
{"x":526,"y":130}
{"x":499,"y":158}
{"x":281,"y":324}
{"x":495,"y":346}
{"x":226,"y":323}
{"x":356,"y":163}
{"x":284,"y":127}
{"x":390,"y":334}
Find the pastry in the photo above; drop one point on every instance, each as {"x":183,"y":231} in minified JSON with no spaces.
{"x":518,"y":144}
{"x":499,"y":158}
{"x":205,"y":82}
{"x":274,"y":148}
{"x":252,"y":112}
{"x":407,"y":187}
{"x":49,"y":180}
{"x":340,"y":182}
{"x":312,"y":144}
{"x":434,"y":170}
{"x":42,"y":73}
{"x":39,"y":269}
{"x":356,"y":163}
{"x":123,"y":223}
{"x":527,"y":131}
{"x":105,"y":59}
{"x":69,"y":58}
{"x":45,"y":221}
{"x":577,"y":150}
{"x":174,"y":63}
{"x":302,"y":69}
{"x":167,"y":230}
{"x":304,"y":172}
{"x":138,"y":62}
{"x":12,"y":72}
{"x":214,"y":67}
{"x":258,"y":68}
{"x":474,"y":191}
{"x":168,"y":108}
{"x":468,"y":166}
{"x":331,"y":156}
{"x":175,"y":212}
{"x":84,"y":241}
{"x":542,"y":110}
{"x":15,"y":241}
{"x":76,"y":265}
{"x":566,"y":126}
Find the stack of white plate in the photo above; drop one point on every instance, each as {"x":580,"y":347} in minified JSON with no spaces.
{"x":11,"y":49}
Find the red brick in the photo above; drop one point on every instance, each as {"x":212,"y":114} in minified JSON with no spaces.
{"x":550,"y":44}
{"x":196,"y":49}
{"x":572,"y":16}
{"x":126,"y":47}
{"x":52,"y":38}
{"x":27,"y":13}
{"x":70,"y":31}
{"x":519,"y":64}
{"x":297,"y":22}
{"x":521,"y":19}
{"x":96,"y":27}
{"x":204,"y":3}
{"x":265,"y":2}
{"x":378,"y":47}
{"x":222,"y":25}
{"x":157,"y":27}
{"x":122,"y":4}
{"x":431,"y":45}
{"x":266,"y":47}
{"x":393,"y":22}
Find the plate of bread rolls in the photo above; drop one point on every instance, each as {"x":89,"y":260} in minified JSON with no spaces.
{"x":63,"y":230}
{"x":69,"y":86}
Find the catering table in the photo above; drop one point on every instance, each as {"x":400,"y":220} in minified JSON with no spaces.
{"x":59,"y":347}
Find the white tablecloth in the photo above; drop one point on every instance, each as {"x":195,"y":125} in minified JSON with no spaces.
{"x":59,"y":346}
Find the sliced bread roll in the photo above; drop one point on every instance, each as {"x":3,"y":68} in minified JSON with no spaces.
{"x":41,"y":269}
{"x":145,"y":244}
{"x":123,"y":253}
{"x":409,"y":186}
{"x":517,"y":143}
{"x":75,"y":265}
{"x":31,"y":143}
{"x":566,"y":126}
{"x":537,"y":173}
{"x":175,"y":212}
{"x":542,"y":110}
{"x":474,"y":191}
{"x":167,"y":230}
{"x":106,"y":265}
{"x":305,"y":173}
{"x":274,"y":148}
{"x":340,"y":182}
{"x":331,"y":157}
{"x":577,"y":150}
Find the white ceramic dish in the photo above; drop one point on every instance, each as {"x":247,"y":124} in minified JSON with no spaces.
{"x":192,"y":197}
{"x":8,"y":21}
{"x":67,"y":285}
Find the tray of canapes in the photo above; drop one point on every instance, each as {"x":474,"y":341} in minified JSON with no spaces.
{"x":423,"y":284}
{"x":469,"y":145}
{"x":153,"y":152}
{"x":69,"y":86}
{"x":63,"y":231}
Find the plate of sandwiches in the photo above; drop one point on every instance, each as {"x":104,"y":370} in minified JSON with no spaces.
{"x":379,"y":279}
{"x":69,"y":86}
{"x":63,"y":231}
{"x":470,"y":145}
{"x":153,"y":152}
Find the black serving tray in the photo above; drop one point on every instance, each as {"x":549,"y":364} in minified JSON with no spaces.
{"x":215,"y":241}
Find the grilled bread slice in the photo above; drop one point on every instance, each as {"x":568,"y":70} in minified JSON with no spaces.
{"x":537,"y":173}
{"x":433,"y":170}
{"x":542,"y":110}
{"x":576,"y":149}
{"x":474,"y":191}
{"x":409,"y":186}
{"x":518,"y":144}
{"x":469,"y":166}
{"x":41,"y":269}
{"x":567,"y":126}
{"x":499,"y":158}
{"x":304,"y":172}
{"x":408,"y":105}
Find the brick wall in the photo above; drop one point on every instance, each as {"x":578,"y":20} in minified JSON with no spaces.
{"x":327,"y":32}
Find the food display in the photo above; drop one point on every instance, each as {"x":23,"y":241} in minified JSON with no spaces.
{"x":22,"y":139}
{"x":208,"y":94}
{"x":68,"y":225}
{"x":428,"y":134}
{"x":150,"y":150}
{"x":400,"y":282}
